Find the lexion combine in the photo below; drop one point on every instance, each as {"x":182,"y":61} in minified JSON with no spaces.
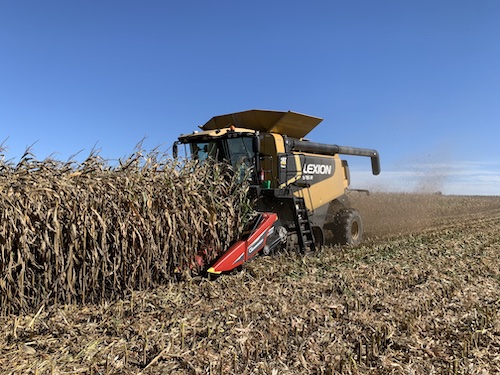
{"x":299,"y":187}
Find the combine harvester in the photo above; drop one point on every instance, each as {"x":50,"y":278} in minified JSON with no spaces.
{"x":299,"y":186}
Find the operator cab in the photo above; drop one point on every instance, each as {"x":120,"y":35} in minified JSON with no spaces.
{"x":253,"y":137}
{"x":237,"y":148}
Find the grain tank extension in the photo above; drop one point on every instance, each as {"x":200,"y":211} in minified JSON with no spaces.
{"x":299,"y":186}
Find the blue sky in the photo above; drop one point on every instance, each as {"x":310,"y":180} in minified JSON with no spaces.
{"x":418,"y":80}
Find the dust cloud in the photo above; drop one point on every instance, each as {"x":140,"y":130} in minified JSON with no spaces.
{"x":392,"y":214}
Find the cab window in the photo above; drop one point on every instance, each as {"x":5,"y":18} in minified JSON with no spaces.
{"x":241,"y":155}
{"x":240,"y":151}
{"x":203,"y":151}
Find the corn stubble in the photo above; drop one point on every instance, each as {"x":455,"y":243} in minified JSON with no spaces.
{"x":89,"y":232}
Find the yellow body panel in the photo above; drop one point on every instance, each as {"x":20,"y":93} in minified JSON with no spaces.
{"x":323,"y":192}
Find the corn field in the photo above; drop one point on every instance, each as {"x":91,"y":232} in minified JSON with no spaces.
{"x":90,"y":232}
{"x":421,"y":295}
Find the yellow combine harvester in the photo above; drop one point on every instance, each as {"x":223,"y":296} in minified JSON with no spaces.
{"x":299,"y":186}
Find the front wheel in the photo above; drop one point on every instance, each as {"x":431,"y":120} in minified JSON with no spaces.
{"x":348,"y":227}
{"x":319,"y":238}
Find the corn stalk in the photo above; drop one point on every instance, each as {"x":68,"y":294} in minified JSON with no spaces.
{"x":88,"y":232}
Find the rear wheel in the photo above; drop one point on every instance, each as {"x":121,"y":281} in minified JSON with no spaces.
{"x":348,"y":227}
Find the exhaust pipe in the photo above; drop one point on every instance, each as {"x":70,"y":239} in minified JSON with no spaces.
{"x":324,"y":149}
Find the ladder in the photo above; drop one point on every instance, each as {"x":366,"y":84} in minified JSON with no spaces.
{"x":303,"y":226}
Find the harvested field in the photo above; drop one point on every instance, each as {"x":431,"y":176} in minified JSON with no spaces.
{"x":420,"y":296}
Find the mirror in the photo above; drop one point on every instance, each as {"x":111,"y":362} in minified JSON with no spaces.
{"x":175,"y":150}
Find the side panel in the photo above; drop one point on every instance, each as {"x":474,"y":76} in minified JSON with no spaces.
{"x":317,"y":179}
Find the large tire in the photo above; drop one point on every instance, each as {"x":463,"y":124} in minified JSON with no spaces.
{"x":348,"y":227}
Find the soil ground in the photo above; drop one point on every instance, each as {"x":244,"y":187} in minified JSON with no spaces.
{"x":421,"y":295}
